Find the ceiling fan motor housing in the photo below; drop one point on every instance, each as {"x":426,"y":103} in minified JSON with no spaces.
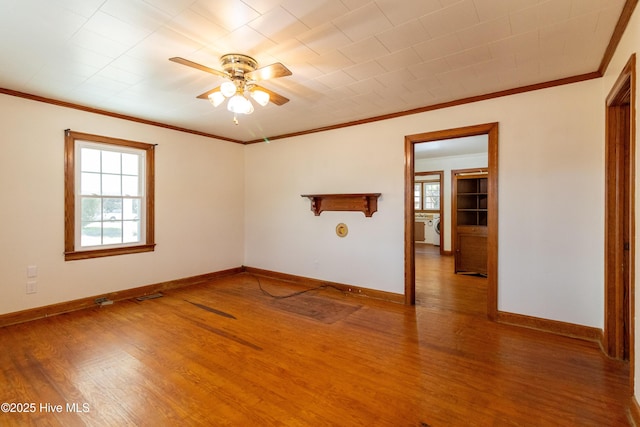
{"x":237,"y":65}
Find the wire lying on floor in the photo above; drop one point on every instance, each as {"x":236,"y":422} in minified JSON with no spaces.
{"x":304,"y":291}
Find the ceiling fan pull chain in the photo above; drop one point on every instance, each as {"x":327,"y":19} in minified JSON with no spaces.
{"x":235,"y":119}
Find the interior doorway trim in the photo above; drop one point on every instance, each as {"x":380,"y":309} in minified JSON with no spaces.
{"x":620,"y":216}
{"x":491,"y":130}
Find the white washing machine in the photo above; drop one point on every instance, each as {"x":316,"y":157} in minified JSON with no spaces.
{"x":436,"y":230}
{"x":432,"y":230}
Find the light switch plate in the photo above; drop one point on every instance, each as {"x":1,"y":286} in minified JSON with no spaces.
{"x":32,"y":271}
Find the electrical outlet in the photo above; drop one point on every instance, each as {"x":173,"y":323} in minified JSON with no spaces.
{"x":32,"y":287}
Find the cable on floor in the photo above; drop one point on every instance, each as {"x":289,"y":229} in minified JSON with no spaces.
{"x":294,"y":294}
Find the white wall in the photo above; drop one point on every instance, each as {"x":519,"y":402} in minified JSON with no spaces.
{"x":282,"y":234}
{"x":447,"y":164}
{"x":551,"y":184}
{"x":551,"y":214}
{"x":199,"y":207}
{"x":629,"y":45}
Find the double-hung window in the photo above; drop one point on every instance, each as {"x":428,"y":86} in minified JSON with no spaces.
{"x":426,"y":196}
{"x":108,"y":196}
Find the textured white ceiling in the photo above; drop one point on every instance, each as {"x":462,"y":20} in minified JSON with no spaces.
{"x":351,"y":59}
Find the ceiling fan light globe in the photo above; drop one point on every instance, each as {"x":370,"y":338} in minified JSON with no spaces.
{"x":235,"y":104}
{"x":260,"y":97}
{"x":216,"y":98}
{"x":240,"y":105}
{"x":228,"y":89}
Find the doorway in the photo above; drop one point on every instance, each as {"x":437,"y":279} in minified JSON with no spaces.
{"x":620,"y":216}
{"x":428,"y":196}
{"x":491,"y":130}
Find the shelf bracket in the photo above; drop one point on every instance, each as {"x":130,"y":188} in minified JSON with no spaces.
{"x":366,"y":203}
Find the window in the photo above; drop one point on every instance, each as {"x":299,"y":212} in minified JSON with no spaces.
{"x":426,"y":195}
{"x":109,"y":188}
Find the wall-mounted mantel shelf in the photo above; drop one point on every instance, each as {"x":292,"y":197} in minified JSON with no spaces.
{"x":366,"y":203}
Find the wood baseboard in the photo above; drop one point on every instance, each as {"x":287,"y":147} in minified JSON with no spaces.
{"x":561,"y":328}
{"x":355,"y":290}
{"x":79,"y":304}
{"x":634,"y":411}
{"x":554,"y":326}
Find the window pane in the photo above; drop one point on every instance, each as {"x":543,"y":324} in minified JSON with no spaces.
{"x":130,"y":164}
{"x":110,"y":162}
{"x":90,"y":183}
{"x":112,"y":209}
{"x":111,"y":232}
{"x":131,"y":231}
{"x":432,"y":195}
{"x":90,"y":209}
{"x":90,"y":160}
{"x":417,"y":196}
{"x":130,"y":186}
{"x":130,"y":209}
{"x":120,"y":222}
{"x":91,"y":233}
{"x":111,"y":185}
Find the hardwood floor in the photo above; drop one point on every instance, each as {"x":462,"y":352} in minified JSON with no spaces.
{"x":224,"y":353}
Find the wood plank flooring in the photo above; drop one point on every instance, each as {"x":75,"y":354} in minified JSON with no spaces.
{"x":224,"y":353}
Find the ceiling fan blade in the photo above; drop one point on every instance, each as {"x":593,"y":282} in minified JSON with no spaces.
{"x":269,"y":72}
{"x":207,"y":93}
{"x":273,"y":97}
{"x":198,"y":66}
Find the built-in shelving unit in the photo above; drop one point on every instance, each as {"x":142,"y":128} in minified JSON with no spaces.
{"x":470,"y":214}
{"x":471,"y":200}
{"x":366,"y":203}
